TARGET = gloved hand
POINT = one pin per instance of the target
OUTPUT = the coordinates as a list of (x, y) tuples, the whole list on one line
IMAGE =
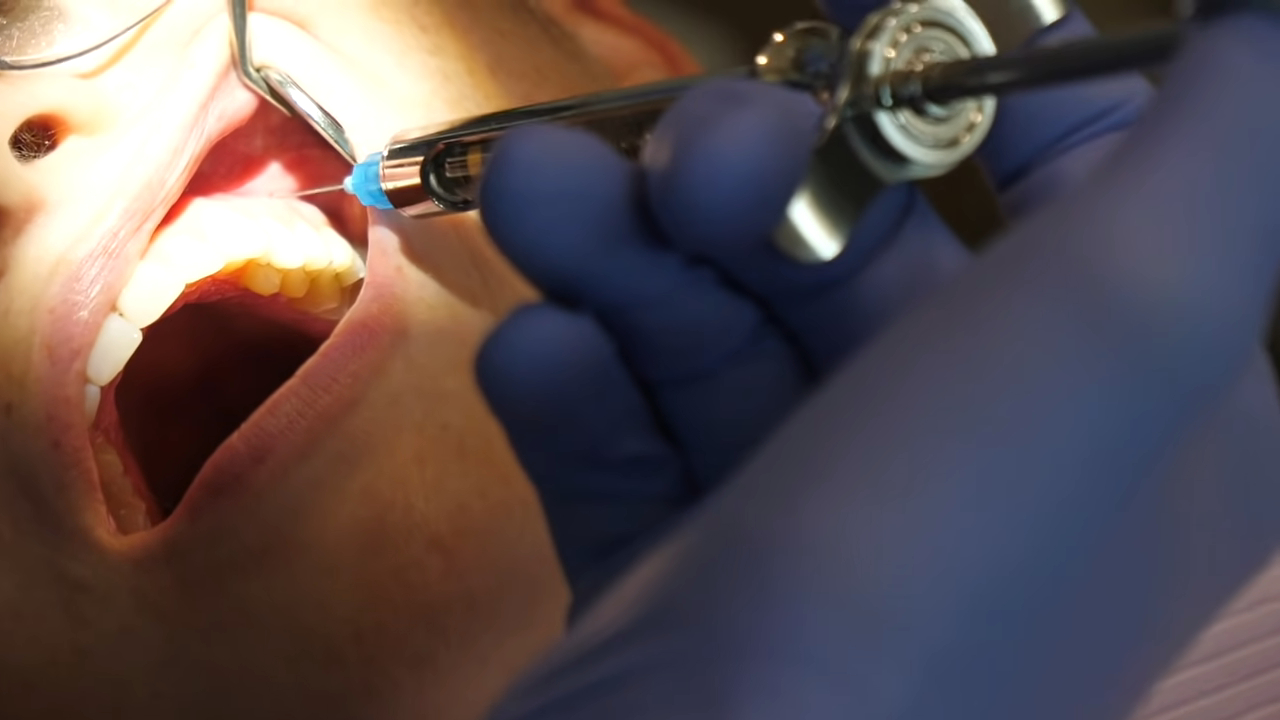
[(1016, 501), (676, 336)]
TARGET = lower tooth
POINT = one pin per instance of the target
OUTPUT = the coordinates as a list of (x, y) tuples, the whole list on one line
[(92, 398), (123, 504)]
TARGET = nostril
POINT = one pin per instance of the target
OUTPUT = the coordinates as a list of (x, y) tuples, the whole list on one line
[(35, 138)]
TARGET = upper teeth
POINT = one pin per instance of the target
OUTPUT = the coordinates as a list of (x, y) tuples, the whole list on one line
[(269, 246)]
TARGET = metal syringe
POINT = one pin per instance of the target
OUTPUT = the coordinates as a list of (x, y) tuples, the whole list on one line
[(909, 96)]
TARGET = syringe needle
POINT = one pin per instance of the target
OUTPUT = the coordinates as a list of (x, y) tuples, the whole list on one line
[(316, 191)]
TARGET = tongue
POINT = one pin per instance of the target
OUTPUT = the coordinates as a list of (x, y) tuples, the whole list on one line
[(198, 375)]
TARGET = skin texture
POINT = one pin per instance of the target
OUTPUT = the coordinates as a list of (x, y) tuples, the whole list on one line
[(395, 564)]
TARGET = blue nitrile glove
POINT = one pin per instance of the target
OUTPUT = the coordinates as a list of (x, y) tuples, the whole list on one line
[(1017, 501), (677, 337)]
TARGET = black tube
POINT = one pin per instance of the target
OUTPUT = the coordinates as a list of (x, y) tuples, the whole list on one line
[(947, 82)]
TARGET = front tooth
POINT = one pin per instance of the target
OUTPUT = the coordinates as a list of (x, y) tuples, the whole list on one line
[(92, 399), (315, 230), (116, 343), (187, 253), (286, 248), (319, 258), (262, 279), (152, 289), (340, 252), (241, 239)]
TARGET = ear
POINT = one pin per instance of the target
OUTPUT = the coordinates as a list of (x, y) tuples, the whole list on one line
[(633, 49)]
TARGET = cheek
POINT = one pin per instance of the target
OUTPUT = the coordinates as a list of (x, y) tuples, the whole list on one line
[(458, 254)]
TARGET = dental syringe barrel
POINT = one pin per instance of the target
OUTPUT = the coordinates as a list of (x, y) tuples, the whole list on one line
[(437, 170), (864, 149)]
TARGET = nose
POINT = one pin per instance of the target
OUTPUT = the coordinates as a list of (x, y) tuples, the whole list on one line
[(40, 115)]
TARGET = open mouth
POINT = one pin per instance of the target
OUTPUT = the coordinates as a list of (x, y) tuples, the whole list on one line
[(235, 292)]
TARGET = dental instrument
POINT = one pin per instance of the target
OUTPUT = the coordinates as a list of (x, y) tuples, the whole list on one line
[(909, 95), (437, 171), (320, 191), (279, 89)]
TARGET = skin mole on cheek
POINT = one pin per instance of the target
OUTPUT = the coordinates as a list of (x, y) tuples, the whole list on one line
[(37, 137)]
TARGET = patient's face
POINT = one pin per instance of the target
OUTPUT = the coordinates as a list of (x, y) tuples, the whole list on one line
[(365, 545)]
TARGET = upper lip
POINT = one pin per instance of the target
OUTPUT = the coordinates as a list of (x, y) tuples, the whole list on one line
[(173, 153)]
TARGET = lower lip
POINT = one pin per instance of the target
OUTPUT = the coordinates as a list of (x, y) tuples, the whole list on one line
[(81, 301)]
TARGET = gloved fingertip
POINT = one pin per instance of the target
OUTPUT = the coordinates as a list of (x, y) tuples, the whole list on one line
[(700, 113), (536, 167), (558, 203), (539, 359), (725, 160), (583, 432)]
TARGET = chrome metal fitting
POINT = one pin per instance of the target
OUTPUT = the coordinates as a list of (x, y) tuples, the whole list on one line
[(914, 143), (864, 152)]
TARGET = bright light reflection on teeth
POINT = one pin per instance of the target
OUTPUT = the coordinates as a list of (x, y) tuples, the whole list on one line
[(152, 289), (353, 273), (319, 256), (241, 238), (267, 247), (186, 251), (116, 343), (339, 251), (286, 249)]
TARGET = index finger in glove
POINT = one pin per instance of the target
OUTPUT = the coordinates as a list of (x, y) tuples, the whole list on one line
[(722, 166), (568, 211)]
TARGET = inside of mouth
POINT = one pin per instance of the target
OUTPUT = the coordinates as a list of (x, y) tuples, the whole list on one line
[(206, 366), (197, 377)]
